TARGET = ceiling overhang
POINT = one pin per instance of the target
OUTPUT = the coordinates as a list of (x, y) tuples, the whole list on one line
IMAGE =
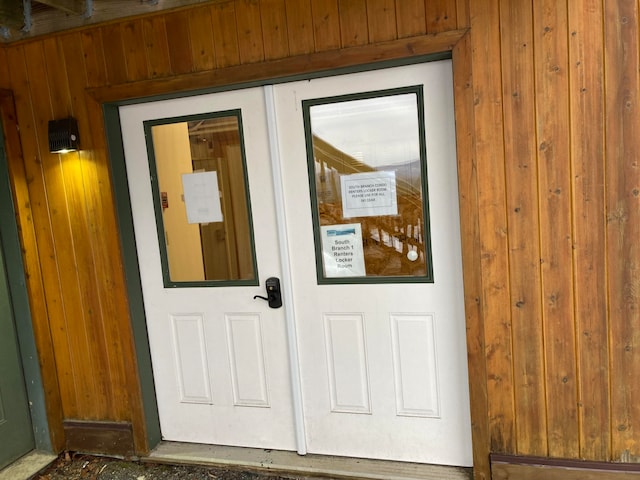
[(22, 19)]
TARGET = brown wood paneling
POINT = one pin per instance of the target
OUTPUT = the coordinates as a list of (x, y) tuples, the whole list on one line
[(74, 59), (134, 49), (424, 45), (521, 172), (107, 258), (249, 31), (110, 438), (84, 195), (5, 82), (94, 61), (299, 27), (441, 15), (274, 29), (68, 190), (225, 37), (86, 382), (88, 323), (110, 319), (154, 32), (71, 209), (108, 315), (353, 22), (552, 130), (381, 16), (489, 152), (113, 53), (326, 24), (179, 41), (33, 275), (204, 57), (623, 221), (462, 13), (471, 253), (55, 323), (411, 18), (587, 161), (55, 68)]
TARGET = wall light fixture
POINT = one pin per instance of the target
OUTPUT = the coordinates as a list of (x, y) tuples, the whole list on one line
[(63, 135)]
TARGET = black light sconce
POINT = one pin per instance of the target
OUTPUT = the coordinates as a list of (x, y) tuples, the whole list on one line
[(63, 135)]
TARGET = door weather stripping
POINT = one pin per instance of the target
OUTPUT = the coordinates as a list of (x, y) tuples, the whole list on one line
[(287, 287)]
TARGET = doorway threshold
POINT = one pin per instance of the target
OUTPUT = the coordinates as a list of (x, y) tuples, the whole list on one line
[(26, 467), (283, 462)]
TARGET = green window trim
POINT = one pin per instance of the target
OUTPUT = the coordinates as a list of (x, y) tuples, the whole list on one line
[(424, 276), (158, 201)]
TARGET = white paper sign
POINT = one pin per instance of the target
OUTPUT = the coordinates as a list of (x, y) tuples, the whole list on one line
[(201, 197), (342, 253), (369, 194)]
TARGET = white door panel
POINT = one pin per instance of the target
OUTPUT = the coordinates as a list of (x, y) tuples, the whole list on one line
[(396, 353), (219, 356)]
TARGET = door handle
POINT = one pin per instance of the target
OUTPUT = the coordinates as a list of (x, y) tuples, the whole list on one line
[(274, 296)]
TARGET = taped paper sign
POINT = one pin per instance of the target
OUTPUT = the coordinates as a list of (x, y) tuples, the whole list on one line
[(201, 197), (342, 252), (369, 194)]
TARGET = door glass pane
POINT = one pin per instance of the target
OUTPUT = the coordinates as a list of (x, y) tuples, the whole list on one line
[(202, 200), (367, 168)]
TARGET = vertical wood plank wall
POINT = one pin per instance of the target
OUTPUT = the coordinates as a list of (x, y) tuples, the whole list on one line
[(548, 118)]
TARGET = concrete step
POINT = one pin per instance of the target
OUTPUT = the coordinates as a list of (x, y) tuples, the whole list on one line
[(291, 463)]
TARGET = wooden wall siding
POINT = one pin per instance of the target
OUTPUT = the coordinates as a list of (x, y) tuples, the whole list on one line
[(38, 302), (622, 171), (547, 115), (554, 177), (71, 207), (494, 254), (521, 176), (586, 103), (471, 253), (544, 194), (557, 171)]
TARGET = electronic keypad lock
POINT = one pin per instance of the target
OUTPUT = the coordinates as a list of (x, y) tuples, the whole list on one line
[(274, 296)]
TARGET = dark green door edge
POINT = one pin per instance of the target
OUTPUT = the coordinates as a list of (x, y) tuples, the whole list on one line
[(115, 151), (10, 245), (132, 272)]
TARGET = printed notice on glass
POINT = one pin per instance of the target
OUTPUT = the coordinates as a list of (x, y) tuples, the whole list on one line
[(369, 194), (201, 197), (342, 252)]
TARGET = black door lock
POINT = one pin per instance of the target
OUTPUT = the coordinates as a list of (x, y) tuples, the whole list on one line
[(274, 297)]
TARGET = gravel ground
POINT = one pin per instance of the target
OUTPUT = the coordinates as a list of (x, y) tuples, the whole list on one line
[(87, 467)]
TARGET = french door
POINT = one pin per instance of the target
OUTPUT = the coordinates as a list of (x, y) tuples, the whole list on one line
[(334, 201)]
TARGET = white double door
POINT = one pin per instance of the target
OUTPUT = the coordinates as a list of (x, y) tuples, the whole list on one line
[(362, 370)]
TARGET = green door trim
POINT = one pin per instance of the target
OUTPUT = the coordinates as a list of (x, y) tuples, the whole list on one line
[(132, 273), (10, 244)]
